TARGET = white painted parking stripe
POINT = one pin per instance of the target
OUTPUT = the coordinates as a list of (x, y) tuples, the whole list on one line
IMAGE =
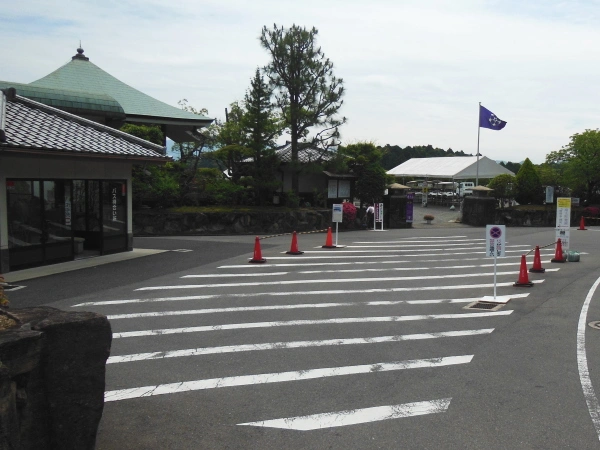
[(294, 344), (297, 306), (410, 241), (383, 269), (320, 292), (235, 275), (584, 374), (437, 244), (339, 254), (399, 250), (348, 263), (412, 238), (287, 323), (355, 416), (329, 280), (299, 375)]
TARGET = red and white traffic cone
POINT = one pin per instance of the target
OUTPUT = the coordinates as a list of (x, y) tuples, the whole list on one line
[(558, 254), (582, 225), (294, 248), (523, 280), (537, 262), (257, 253), (329, 240)]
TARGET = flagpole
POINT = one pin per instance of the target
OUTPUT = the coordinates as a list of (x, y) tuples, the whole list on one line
[(478, 131)]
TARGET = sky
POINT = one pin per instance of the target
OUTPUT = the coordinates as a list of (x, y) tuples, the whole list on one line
[(414, 71)]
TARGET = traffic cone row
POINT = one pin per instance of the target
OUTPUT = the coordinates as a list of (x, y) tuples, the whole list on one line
[(558, 254), (294, 247), (523, 280), (329, 240), (537, 262), (257, 253)]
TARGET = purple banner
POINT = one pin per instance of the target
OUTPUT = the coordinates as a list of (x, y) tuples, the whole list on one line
[(409, 207)]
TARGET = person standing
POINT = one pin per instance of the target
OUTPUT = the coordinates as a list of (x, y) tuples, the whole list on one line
[(370, 216)]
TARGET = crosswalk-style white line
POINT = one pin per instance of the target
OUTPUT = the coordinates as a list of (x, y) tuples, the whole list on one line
[(293, 344), (382, 269), (425, 240), (505, 299), (437, 244), (355, 416), (331, 280), (287, 323), (305, 263), (339, 254), (297, 293), (400, 250), (299, 375)]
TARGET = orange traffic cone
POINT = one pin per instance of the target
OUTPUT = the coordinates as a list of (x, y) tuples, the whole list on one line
[(257, 253), (582, 224), (329, 240), (537, 262), (558, 255), (294, 248), (523, 280)]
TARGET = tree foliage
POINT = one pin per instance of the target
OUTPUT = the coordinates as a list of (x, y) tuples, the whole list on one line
[(150, 133), (504, 187), (305, 89), (363, 159), (528, 187), (580, 163)]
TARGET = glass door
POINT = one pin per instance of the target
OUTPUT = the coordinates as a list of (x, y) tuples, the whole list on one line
[(114, 216), (57, 236)]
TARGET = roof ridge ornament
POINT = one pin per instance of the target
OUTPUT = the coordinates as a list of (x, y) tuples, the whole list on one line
[(80, 54)]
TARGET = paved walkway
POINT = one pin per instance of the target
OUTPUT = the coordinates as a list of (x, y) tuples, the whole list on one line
[(444, 217)]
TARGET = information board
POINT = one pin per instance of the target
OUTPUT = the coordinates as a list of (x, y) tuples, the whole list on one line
[(563, 212), (495, 237), (337, 213)]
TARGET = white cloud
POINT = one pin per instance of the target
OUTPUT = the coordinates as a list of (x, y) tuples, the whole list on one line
[(414, 71)]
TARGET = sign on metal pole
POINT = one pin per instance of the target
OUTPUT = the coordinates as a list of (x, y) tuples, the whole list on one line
[(378, 216), (336, 216), (495, 245), (563, 212), (549, 195)]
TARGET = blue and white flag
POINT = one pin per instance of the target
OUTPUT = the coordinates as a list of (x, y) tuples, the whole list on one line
[(488, 119)]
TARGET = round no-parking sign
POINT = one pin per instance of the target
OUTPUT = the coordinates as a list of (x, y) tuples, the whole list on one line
[(495, 236)]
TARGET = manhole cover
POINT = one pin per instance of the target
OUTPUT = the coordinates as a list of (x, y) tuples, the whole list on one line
[(484, 305), (595, 324)]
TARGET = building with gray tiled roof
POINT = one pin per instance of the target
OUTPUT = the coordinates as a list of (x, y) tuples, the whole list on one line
[(83, 88), (65, 184)]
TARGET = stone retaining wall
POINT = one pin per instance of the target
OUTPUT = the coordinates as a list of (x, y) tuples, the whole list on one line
[(165, 223), (52, 379)]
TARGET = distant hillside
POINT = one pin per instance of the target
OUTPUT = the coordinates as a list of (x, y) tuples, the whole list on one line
[(394, 155)]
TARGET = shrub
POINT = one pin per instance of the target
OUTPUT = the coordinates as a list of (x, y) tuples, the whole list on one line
[(592, 211), (348, 213), (428, 217)]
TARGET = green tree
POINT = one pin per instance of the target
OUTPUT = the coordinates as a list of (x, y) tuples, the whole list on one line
[(528, 187), (306, 90), (580, 160), (150, 133), (504, 187), (364, 160)]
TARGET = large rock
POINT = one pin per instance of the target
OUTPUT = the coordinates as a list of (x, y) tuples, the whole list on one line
[(54, 379)]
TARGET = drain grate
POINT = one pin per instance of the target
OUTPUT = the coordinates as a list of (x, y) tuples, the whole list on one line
[(484, 305)]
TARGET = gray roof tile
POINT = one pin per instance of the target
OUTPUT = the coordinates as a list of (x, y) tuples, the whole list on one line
[(33, 125)]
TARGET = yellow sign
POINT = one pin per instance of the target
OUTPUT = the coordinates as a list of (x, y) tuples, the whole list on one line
[(425, 190), (563, 202)]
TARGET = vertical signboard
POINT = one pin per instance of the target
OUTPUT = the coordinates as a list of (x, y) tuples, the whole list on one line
[(563, 212), (378, 212), (549, 195), (495, 236), (563, 235), (495, 244), (409, 207), (337, 213)]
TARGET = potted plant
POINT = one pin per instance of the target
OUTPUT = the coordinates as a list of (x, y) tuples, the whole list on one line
[(428, 218)]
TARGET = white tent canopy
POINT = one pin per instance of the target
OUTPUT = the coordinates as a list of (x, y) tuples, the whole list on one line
[(454, 167)]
